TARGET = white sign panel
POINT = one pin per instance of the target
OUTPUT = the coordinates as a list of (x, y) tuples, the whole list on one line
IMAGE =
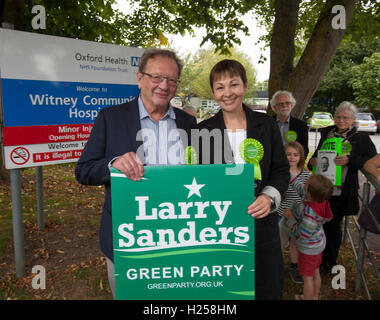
[(326, 165)]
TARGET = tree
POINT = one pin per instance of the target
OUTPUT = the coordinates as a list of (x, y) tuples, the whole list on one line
[(366, 82), (94, 20), (303, 79), (289, 22), (12, 12), (336, 85), (195, 76), (309, 31), (263, 85)]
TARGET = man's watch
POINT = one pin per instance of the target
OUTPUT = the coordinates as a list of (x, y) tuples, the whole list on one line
[(272, 203)]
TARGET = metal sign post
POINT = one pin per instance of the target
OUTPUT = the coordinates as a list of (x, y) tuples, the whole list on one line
[(18, 228), (40, 198)]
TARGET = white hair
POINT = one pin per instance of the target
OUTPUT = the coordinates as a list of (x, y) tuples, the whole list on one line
[(273, 101), (347, 106)]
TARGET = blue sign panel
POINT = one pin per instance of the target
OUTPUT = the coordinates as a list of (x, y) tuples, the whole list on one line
[(53, 102)]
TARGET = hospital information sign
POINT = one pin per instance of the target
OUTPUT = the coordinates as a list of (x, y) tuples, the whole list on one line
[(52, 89)]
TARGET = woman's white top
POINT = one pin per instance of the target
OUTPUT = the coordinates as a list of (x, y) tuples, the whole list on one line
[(236, 138)]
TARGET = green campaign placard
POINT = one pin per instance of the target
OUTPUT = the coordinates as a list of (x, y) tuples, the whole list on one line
[(329, 150), (183, 233)]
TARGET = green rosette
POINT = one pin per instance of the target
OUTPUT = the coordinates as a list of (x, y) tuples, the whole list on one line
[(191, 155), (346, 148), (252, 151), (291, 135)]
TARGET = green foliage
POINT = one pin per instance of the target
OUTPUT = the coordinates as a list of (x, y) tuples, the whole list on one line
[(195, 75), (222, 20), (365, 24), (336, 85), (150, 20), (263, 85), (94, 20), (366, 82)]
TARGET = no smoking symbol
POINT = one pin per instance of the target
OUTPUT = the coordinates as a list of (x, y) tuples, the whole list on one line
[(20, 156)]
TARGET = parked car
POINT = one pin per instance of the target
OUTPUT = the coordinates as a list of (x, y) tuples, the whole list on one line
[(378, 125), (320, 120), (366, 122)]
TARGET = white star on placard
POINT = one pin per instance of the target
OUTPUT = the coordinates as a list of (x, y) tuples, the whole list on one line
[(194, 188)]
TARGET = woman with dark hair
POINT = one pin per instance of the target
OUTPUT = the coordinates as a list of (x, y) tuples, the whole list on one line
[(345, 198), (237, 124)]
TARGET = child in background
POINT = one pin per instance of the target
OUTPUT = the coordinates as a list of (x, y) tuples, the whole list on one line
[(306, 221), (296, 157)]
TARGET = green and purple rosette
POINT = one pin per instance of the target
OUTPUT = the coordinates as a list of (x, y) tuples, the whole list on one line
[(252, 151)]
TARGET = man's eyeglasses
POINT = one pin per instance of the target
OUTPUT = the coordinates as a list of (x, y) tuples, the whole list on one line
[(157, 78), (284, 104)]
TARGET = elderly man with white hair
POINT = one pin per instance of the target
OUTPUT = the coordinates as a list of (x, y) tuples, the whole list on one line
[(292, 129)]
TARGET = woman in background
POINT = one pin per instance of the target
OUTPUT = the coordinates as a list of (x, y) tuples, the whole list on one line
[(345, 198)]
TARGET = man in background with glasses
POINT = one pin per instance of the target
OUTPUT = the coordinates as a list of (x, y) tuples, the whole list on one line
[(282, 103), (292, 129), (147, 130)]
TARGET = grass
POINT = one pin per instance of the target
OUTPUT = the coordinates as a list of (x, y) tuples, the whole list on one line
[(329, 281), (69, 250), (5, 217)]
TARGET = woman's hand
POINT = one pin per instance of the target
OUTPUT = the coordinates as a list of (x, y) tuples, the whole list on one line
[(341, 160), (313, 162), (260, 208)]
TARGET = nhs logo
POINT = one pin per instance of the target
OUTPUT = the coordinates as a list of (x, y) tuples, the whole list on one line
[(135, 61)]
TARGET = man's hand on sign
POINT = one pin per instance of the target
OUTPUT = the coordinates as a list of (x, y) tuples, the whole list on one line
[(130, 165), (341, 160), (260, 208)]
